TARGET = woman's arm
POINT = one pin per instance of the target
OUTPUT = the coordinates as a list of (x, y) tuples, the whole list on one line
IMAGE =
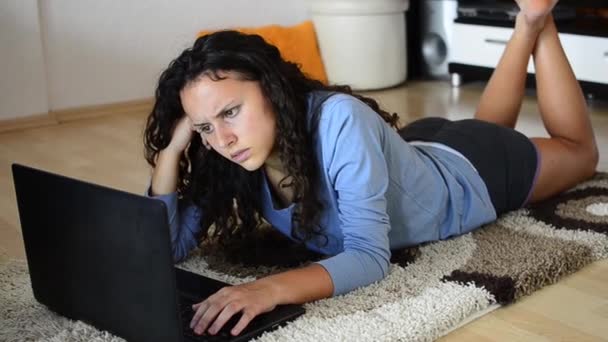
[(291, 287), (184, 225), (184, 219), (165, 174), (352, 138), (300, 285)]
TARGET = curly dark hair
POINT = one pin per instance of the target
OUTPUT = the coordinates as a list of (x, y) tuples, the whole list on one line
[(228, 194)]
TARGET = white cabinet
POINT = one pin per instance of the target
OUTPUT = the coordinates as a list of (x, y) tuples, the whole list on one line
[(477, 48), (588, 56), (479, 45)]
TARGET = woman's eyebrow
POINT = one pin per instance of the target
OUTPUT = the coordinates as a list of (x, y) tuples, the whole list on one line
[(216, 115)]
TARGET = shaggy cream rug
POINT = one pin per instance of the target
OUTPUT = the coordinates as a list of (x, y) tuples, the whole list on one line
[(431, 289)]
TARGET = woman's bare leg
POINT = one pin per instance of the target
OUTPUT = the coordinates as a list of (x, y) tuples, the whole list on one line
[(570, 155), (501, 99)]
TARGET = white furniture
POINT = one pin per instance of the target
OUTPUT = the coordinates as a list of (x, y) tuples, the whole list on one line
[(477, 50), (362, 42)]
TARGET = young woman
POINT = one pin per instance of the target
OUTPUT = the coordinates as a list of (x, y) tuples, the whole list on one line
[(237, 134)]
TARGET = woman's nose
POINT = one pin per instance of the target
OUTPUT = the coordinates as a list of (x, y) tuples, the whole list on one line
[(225, 137)]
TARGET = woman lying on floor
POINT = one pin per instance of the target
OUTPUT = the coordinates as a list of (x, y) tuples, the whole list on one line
[(235, 123)]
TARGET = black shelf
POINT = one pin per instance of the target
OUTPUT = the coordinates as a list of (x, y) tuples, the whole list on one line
[(597, 27), (471, 73)]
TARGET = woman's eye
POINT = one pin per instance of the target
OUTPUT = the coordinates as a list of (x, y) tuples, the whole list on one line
[(203, 130), (231, 112)]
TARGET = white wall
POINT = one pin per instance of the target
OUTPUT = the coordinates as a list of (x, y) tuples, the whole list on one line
[(23, 78), (99, 52)]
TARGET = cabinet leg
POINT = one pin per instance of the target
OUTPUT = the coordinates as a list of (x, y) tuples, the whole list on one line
[(455, 79)]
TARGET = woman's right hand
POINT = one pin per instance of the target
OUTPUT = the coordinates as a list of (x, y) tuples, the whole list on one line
[(182, 135), (165, 174)]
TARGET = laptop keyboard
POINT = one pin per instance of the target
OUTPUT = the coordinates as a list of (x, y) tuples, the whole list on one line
[(186, 312)]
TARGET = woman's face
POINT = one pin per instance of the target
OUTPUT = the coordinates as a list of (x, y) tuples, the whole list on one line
[(233, 117)]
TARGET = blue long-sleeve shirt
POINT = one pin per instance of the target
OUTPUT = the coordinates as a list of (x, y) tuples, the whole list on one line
[(379, 193)]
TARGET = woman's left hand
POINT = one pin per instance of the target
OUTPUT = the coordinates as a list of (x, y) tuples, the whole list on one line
[(251, 299)]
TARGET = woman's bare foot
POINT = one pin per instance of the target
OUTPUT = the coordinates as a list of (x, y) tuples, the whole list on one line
[(534, 12)]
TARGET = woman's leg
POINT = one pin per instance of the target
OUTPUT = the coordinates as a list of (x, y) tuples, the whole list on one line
[(570, 155), (502, 97)]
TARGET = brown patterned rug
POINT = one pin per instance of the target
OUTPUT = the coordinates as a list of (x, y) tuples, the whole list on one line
[(430, 290)]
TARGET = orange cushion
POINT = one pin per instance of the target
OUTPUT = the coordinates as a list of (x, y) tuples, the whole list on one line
[(298, 44)]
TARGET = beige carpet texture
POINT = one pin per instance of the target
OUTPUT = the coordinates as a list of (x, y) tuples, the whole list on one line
[(430, 290)]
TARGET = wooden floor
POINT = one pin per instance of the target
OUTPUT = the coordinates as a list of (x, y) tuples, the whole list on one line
[(108, 150)]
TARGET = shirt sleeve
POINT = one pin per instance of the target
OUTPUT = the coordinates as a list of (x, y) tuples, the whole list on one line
[(184, 224), (352, 139)]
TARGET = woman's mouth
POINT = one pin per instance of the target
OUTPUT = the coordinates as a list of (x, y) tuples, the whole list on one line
[(241, 156)]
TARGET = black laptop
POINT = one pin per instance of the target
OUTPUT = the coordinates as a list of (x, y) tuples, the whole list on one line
[(103, 256)]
